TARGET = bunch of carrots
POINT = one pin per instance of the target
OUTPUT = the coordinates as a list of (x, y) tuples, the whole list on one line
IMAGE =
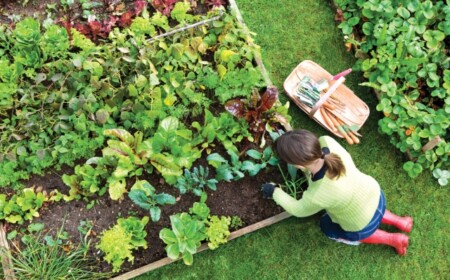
[(337, 125), (308, 92)]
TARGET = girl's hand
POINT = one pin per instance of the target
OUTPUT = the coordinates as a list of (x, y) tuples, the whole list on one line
[(267, 189)]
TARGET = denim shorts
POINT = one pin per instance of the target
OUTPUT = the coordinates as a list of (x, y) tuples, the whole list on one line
[(334, 231)]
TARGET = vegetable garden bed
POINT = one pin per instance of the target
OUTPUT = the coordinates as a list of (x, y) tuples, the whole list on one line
[(98, 136)]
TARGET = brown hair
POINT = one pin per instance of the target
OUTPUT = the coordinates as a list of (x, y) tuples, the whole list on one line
[(302, 147)]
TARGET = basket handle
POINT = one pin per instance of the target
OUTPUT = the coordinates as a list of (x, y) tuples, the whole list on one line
[(324, 98)]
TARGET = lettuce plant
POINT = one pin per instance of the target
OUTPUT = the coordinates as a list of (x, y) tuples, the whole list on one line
[(217, 230), (21, 207), (184, 238), (118, 242), (87, 181)]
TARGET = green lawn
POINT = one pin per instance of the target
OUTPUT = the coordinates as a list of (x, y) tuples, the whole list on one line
[(288, 32)]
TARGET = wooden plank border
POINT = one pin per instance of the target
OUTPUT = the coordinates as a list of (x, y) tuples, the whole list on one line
[(203, 247), (258, 59)]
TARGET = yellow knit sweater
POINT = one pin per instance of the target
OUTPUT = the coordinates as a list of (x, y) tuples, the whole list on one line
[(350, 200)]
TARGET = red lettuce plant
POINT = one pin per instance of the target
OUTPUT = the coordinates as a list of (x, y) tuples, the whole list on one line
[(256, 110), (164, 6)]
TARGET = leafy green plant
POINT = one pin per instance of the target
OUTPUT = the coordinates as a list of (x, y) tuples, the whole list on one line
[(86, 182), (21, 207), (403, 57), (292, 183), (171, 149), (266, 157), (442, 175), (129, 154), (184, 238), (118, 242), (257, 110), (196, 181), (190, 229), (217, 231), (224, 128), (227, 170), (236, 222), (144, 195)]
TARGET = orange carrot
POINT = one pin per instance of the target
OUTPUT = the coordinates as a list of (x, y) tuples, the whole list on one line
[(327, 119), (349, 132), (329, 106), (340, 128)]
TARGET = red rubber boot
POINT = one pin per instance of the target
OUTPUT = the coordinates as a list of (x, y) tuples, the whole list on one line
[(397, 240), (403, 223)]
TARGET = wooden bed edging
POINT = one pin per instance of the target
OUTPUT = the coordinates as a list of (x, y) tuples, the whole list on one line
[(203, 247)]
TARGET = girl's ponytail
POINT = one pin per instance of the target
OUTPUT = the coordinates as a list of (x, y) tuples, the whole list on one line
[(335, 166)]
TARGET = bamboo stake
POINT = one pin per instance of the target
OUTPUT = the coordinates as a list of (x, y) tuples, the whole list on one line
[(186, 27)]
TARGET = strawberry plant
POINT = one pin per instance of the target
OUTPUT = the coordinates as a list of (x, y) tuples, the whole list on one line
[(403, 56)]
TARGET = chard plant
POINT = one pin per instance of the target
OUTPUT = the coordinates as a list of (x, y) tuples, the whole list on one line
[(144, 195), (258, 110)]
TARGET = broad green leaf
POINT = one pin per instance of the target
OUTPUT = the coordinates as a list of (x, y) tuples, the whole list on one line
[(116, 189), (122, 134), (254, 154), (167, 236), (173, 251), (140, 198), (188, 258), (155, 213), (163, 199), (227, 55)]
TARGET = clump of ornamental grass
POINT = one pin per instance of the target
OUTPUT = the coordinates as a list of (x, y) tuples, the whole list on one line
[(41, 260)]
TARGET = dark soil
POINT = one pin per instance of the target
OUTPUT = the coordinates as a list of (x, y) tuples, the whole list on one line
[(242, 198)]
